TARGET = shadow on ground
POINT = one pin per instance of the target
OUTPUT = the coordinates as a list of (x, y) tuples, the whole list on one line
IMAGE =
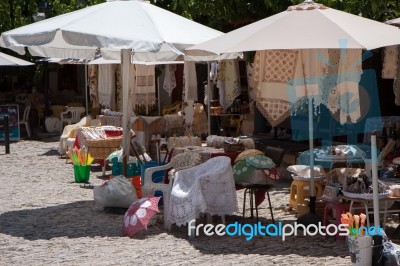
[(51, 152), (73, 220), (83, 219)]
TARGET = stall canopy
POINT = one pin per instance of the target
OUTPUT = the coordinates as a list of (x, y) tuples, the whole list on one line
[(129, 30)]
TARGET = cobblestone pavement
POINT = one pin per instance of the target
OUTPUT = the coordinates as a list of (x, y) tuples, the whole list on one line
[(46, 218)]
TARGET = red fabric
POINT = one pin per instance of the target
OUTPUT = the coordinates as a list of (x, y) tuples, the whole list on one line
[(272, 173), (113, 133)]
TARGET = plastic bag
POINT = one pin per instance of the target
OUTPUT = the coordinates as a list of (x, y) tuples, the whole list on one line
[(116, 192)]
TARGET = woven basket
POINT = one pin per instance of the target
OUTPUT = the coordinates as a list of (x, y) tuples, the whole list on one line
[(233, 147), (101, 148)]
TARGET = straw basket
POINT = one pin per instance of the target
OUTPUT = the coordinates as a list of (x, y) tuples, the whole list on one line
[(101, 148)]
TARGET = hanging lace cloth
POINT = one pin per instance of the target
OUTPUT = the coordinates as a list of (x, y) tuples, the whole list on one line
[(345, 97), (273, 72), (396, 83), (190, 80), (118, 88), (92, 81), (145, 88), (106, 86), (390, 62), (213, 72), (169, 78), (228, 82), (284, 78)]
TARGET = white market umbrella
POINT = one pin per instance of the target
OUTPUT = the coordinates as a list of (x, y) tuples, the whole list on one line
[(135, 29), (317, 28), (8, 60), (395, 22), (306, 27)]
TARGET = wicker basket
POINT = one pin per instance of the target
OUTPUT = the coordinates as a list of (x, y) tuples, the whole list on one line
[(101, 148), (233, 147)]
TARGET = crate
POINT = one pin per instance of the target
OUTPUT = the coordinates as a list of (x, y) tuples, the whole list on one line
[(133, 169)]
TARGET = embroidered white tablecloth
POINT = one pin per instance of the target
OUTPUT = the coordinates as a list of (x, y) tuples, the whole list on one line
[(205, 188)]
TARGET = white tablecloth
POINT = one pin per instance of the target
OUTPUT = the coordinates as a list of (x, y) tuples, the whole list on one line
[(205, 188), (205, 152)]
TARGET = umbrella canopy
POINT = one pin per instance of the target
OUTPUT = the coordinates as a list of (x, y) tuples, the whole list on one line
[(260, 161), (8, 60), (246, 153), (111, 26), (305, 26), (241, 170), (139, 214), (131, 30), (395, 22)]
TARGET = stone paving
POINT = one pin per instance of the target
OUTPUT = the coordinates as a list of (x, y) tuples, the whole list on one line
[(47, 219)]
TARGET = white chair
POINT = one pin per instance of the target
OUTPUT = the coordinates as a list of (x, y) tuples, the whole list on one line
[(25, 120), (72, 115), (180, 161)]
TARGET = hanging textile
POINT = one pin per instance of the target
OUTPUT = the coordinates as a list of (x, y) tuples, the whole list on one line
[(169, 79), (118, 88), (190, 80), (213, 72), (106, 86), (145, 94), (284, 78), (92, 81), (278, 78), (273, 71), (390, 62), (345, 97), (228, 82), (396, 83)]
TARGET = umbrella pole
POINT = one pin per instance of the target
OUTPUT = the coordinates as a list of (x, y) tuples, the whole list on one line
[(311, 143), (125, 63), (208, 99), (86, 92), (375, 188), (311, 217)]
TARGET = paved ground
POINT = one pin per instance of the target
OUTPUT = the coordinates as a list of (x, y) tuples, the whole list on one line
[(46, 218)]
